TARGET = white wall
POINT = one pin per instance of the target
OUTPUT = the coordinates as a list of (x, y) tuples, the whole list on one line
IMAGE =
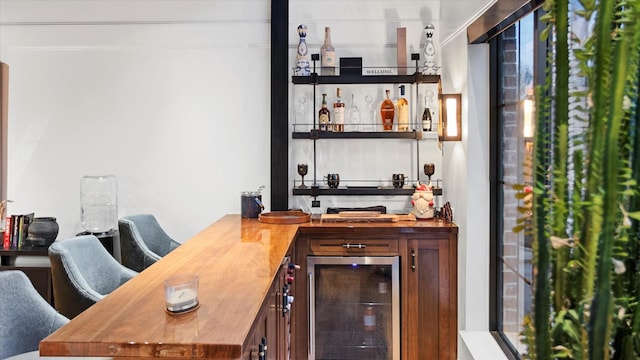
[(170, 97), (467, 176), (467, 173)]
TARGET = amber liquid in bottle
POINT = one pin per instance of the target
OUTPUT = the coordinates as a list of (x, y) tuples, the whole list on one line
[(403, 111), (338, 113), (324, 118), (387, 112)]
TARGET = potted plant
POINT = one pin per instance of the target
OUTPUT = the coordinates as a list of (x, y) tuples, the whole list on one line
[(584, 200)]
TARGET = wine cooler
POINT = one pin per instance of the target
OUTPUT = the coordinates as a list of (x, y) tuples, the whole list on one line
[(354, 308)]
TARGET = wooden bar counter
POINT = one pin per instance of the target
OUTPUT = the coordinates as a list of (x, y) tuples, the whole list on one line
[(237, 261)]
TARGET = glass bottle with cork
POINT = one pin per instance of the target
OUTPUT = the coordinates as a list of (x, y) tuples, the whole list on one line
[(387, 112), (338, 112), (427, 117), (327, 55)]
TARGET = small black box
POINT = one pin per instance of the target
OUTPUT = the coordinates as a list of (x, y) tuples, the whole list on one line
[(350, 66)]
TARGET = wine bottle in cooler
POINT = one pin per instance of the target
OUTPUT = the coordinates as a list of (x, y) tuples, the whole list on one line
[(369, 319)]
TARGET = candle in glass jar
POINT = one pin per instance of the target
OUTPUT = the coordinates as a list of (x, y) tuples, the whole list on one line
[(181, 292), (182, 299)]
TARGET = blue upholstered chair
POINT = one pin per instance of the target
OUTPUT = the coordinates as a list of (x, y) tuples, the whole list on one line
[(25, 317), (83, 273), (143, 241)]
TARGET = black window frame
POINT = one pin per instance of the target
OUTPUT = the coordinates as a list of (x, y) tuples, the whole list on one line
[(495, 171)]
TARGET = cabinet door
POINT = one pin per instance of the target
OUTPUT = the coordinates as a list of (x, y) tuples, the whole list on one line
[(263, 333), (267, 339), (431, 299)]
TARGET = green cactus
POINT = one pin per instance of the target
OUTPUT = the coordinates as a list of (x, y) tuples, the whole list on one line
[(598, 318)]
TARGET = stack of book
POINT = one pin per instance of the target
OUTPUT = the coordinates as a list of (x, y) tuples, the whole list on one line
[(15, 231)]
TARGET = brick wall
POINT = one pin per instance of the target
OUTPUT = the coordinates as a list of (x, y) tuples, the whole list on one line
[(512, 174)]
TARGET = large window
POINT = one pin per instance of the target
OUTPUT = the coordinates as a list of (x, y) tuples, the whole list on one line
[(514, 78)]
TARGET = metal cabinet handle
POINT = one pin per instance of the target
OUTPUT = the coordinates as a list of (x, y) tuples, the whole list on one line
[(349, 246), (310, 301)]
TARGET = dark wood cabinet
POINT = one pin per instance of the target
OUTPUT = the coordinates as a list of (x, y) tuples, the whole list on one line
[(428, 282), (40, 276)]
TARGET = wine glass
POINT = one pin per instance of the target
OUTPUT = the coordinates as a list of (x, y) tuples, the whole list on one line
[(429, 169), (302, 171)]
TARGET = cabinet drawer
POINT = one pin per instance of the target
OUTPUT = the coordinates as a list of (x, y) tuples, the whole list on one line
[(353, 246)]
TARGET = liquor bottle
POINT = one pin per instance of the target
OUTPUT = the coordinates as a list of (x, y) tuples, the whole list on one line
[(369, 319), (327, 55), (387, 112), (430, 63), (354, 114), (427, 120), (302, 58), (338, 113), (403, 111), (324, 118)]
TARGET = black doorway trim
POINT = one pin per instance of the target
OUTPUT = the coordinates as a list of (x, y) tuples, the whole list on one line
[(279, 105)]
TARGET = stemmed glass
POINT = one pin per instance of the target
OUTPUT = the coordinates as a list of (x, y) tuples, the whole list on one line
[(429, 169), (302, 171)]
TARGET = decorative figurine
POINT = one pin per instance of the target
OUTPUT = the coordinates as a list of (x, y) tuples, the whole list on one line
[(422, 201), (302, 58), (447, 212), (430, 62)]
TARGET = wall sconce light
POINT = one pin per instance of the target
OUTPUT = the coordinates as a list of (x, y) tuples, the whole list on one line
[(450, 128), (528, 111)]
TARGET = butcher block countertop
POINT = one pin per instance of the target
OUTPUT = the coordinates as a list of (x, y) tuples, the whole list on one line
[(236, 259)]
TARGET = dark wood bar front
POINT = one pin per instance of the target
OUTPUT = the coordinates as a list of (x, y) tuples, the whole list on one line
[(240, 263)]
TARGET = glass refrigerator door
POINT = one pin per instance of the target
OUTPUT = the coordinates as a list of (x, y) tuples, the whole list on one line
[(354, 307)]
